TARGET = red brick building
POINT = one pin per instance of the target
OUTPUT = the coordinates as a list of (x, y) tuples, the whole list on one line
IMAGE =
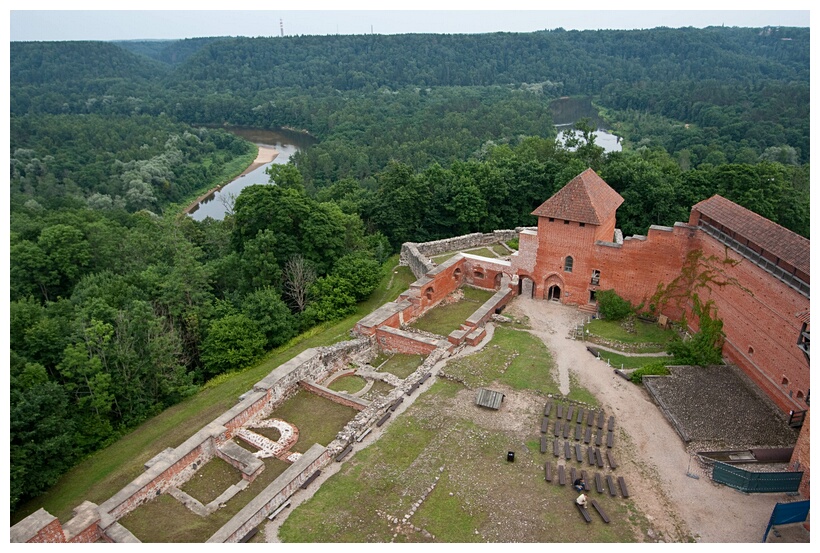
[(757, 275)]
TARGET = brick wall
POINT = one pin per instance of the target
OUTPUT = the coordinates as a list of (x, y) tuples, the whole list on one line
[(801, 457)]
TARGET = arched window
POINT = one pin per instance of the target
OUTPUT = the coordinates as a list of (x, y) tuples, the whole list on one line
[(785, 381), (568, 264), (478, 274), (799, 394), (429, 292)]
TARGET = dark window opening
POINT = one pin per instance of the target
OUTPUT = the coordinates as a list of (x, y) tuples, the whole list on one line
[(568, 264), (596, 277), (429, 293), (582, 224)]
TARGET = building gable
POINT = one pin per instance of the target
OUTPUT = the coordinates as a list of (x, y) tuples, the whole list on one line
[(584, 199)]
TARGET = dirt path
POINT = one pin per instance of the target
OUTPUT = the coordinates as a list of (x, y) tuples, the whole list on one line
[(681, 507)]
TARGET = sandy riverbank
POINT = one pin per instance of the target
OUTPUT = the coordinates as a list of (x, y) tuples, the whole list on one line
[(266, 154)]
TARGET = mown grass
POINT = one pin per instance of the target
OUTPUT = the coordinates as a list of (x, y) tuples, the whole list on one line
[(483, 252), (211, 480), (512, 357), (166, 520), (349, 384), (500, 250), (443, 319), (107, 471), (618, 361), (402, 365), (318, 419), (645, 333)]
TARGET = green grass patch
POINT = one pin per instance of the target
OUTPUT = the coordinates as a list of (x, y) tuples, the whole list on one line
[(650, 334), (272, 434), (513, 244), (378, 390), (318, 419), (483, 252), (616, 360), (211, 480), (106, 472), (512, 357), (441, 258), (402, 365), (500, 250), (443, 319), (349, 384)]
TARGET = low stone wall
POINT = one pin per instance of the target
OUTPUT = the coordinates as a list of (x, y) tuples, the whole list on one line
[(336, 397), (417, 255)]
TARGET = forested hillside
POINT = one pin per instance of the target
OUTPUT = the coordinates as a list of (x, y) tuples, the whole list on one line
[(121, 306)]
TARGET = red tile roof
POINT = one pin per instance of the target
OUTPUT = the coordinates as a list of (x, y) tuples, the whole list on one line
[(584, 199), (779, 241)]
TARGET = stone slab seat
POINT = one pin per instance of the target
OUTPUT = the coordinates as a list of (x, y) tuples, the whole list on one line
[(599, 483), (584, 512), (344, 453), (310, 479), (622, 483), (600, 511), (611, 458), (611, 485)]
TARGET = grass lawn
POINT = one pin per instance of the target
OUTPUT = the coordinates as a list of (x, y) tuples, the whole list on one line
[(500, 250), (106, 472), (616, 360), (318, 419), (402, 365), (165, 519), (378, 390), (443, 319), (349, 384), (211, 480), (445, 441), (645, 333), (483, 252)]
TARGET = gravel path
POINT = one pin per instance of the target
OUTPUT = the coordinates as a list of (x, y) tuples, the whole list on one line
[(682, 507)]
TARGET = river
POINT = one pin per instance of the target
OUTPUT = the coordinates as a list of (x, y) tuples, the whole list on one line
[(282, 143), (568, 111)]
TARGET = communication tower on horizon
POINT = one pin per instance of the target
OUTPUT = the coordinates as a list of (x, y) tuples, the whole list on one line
[(281, 28)]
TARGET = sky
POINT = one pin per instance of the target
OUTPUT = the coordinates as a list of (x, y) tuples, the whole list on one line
[(174, 19)]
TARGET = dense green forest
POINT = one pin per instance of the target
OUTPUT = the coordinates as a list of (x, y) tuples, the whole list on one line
[(121, 306)]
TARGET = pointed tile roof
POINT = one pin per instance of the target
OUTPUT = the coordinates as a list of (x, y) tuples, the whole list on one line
[(584, 199), (780, 241)]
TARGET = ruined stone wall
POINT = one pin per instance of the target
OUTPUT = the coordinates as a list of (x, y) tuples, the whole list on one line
[(394, 340), (335, 397)]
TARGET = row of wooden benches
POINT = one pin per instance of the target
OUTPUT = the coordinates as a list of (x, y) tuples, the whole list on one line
[(563, 477), (587, 517), (593, 453), (570, 411), (565, 429)]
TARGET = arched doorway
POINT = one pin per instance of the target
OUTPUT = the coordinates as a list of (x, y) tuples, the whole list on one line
[(554, 293)]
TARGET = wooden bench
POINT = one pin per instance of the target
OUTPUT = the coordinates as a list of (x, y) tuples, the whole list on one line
[(413, 388), (567, 451), (584, 513), (557, 430), (566, 430), (547, 409), (383, 419), (611, 424), (560, 412), (548, 471), (599, 459), (588, 435), (591, 455), (569, 412), (572, 475), (556, 448), (247, 537), (578, 456), (598, 439), (610, 437), (544, 422), (599, 483), (344, 453), (577, 433), (543, 444), (590, 418), (580, 418), (600, 419), (622, 483), (562, 477), (396, 404), (310, 479), (611, 485), (600, 511), (425, 377), (586, 482), (611, 458)]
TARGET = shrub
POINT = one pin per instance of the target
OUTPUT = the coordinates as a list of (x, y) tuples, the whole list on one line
[(612, 306), (656, 368)]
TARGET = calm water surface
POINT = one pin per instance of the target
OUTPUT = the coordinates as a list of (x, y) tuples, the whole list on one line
[(568, 111), (285, 142)]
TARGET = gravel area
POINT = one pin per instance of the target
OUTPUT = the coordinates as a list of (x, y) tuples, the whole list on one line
[(719, 408)]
